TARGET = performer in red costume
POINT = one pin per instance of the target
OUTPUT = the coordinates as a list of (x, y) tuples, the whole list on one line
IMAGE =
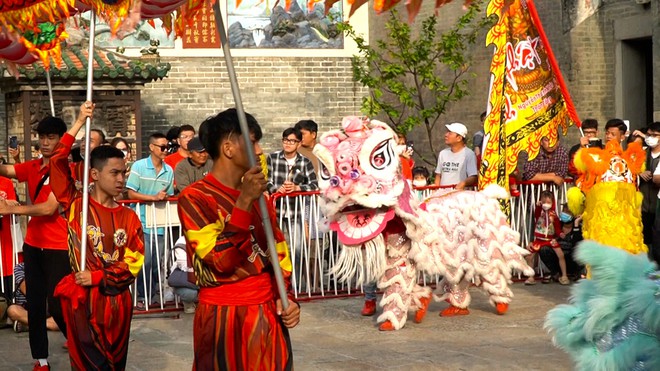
[(96, 302), (239, 322)]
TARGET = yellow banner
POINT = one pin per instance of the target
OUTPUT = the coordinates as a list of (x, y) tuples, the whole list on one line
[(528, 98)]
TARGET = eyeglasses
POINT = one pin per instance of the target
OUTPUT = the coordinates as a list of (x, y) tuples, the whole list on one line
[(162, 148), (290, 141), (590, 132)]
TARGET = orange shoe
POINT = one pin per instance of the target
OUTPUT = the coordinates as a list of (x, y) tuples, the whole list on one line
[(501, 308), (451, 311), (369, 308), (386, 326), (421, 312)]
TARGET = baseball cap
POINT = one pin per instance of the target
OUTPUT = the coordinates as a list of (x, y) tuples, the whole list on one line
[(196, 145), (457, 128)]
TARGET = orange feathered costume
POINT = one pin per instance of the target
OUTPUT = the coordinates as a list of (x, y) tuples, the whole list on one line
[(606, 195)]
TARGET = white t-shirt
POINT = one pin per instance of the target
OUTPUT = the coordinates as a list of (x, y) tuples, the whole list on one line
[(455, 167)]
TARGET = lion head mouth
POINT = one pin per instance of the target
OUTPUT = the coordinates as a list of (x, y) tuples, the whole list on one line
[(357, 224)]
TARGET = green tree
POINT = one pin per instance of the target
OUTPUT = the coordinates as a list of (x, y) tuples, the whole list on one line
[(413, 76)]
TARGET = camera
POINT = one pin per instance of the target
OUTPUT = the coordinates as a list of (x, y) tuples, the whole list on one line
[(172, 147), (409, 145), (595, 143)]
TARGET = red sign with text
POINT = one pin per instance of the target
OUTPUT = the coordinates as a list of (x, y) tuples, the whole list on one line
[(202, 33)]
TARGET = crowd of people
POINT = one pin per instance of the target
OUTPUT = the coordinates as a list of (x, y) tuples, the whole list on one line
[(216, 206)]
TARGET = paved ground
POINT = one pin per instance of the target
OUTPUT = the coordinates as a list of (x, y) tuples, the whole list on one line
[(333, 336)]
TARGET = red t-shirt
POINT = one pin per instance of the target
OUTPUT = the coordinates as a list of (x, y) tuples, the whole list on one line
[(173, 159), (7, 193), (46, 232)]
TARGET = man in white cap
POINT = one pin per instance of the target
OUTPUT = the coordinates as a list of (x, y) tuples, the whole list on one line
[(457, 165)]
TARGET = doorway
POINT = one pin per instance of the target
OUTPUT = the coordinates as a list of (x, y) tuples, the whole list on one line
[(637, 81)]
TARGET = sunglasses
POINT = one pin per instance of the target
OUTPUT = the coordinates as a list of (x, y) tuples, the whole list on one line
[(162, 148)]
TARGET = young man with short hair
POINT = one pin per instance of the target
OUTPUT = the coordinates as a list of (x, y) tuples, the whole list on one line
[(616, 129), (186, 134), (239, 318), (151, 180), (308, 130), (590, 138), (96, 301), (45, 247), (457, 165)]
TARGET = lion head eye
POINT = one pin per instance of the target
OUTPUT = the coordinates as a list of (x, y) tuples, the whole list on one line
[(382, 155)]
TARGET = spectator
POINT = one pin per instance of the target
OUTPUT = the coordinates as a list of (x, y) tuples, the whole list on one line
[(193, 168), (180, 277), (289, 171), (478, 138), (571, 234), (151, 180), (17, 312), (186, 133), (550, 165), (457, 165), (405, 157), (616, 129), (45, 249), (96, 139), (547, 229), (420, 176), (122, 145), (309, 130), (590, 139)]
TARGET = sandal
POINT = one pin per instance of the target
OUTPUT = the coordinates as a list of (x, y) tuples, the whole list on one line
[(140, 306), (530, 281), (564, 280)]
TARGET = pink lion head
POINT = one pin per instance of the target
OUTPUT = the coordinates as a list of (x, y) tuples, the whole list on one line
[(360, 178)]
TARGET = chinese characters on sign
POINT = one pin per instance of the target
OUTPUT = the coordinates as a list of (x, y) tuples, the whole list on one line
[(202, 33)]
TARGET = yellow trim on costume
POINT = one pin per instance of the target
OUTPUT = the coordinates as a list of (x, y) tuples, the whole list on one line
[(204, 240), (134, 260), (283, 254)]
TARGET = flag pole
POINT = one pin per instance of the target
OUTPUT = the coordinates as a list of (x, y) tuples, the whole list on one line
[(50, 93), (268, 228), (88, 125)]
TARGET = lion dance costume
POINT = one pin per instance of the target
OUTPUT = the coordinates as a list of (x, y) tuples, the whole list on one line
[(388, 236), (613, 319), (606, 195)]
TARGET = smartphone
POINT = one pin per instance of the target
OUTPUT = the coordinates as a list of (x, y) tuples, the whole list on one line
[(409, 145), (13, 142), (595, 143)]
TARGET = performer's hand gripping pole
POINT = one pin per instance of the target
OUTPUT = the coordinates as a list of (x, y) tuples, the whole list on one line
[(268, 228)]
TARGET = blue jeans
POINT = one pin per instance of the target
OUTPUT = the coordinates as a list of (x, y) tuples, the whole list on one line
[(186, 294), (370, 290), (151, 266)]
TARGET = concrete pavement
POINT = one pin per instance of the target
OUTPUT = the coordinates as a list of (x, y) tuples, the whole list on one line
[(333, 336)]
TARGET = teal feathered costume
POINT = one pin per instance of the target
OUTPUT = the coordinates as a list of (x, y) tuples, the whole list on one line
[(613, 319)]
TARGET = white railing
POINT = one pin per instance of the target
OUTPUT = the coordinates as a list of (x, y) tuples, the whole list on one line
[(313, 252), (16, 247)]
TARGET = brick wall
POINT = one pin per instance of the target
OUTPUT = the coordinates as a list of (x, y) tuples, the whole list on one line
[(277, 91), (586, 57)]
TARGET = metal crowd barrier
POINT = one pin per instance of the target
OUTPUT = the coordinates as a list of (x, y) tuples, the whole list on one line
[(313, 251), (16, 248)]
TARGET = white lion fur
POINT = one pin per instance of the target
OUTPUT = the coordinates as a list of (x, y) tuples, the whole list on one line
[(365, 264)]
